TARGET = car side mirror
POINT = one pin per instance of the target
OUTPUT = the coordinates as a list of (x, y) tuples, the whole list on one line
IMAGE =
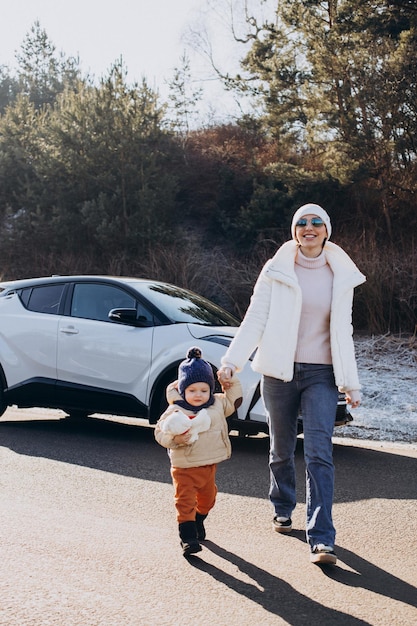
[(128, 316)]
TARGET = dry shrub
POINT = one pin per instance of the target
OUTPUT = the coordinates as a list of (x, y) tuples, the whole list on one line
[(387, 302), (208, 272), (388, 347)]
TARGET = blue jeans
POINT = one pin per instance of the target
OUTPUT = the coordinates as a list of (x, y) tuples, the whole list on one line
[(313, 390)]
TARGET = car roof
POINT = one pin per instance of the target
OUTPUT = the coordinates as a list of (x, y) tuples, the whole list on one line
[(138, 287), (56, 279)]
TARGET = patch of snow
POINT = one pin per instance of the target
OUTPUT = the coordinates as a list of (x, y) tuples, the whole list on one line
[(388, 374)]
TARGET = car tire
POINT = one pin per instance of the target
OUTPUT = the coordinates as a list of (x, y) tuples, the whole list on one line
[(159, 402), (3, 405), (3, 385)]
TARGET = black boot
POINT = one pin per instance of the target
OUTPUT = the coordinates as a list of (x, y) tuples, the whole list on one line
[(199, 522), (189, 540)]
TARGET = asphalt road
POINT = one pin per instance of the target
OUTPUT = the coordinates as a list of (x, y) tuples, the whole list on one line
[(89, 538)]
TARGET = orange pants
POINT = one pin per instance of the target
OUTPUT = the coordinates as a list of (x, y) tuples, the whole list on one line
[(195, 490)]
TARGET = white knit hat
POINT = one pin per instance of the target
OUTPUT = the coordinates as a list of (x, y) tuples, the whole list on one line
[(311, 209)]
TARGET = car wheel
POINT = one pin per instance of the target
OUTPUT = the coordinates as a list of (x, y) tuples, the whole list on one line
[(159, 402), (244, 428), (3, 403)]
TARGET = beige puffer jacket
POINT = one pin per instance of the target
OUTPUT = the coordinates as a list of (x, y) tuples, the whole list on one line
[(213, 445)]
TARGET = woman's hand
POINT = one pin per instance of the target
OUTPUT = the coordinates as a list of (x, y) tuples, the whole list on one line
[(353, 397)]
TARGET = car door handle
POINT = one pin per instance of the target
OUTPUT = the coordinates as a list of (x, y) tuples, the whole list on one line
[(69, 330)]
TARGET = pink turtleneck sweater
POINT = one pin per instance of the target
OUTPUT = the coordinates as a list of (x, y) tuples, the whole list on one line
[(316, 281)]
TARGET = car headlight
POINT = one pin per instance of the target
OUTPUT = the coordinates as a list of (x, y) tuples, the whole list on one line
[(223, 341), (226, 341)]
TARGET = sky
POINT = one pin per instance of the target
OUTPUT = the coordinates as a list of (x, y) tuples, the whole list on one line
[(147, 34)]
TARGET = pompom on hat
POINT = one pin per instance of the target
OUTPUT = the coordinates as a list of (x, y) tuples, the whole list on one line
[(311, 209), (194, 370)]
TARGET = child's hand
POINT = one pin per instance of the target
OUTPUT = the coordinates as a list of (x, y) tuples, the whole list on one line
[(183, 439)]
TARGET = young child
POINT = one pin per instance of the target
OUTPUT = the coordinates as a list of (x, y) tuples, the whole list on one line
[(193, 465)]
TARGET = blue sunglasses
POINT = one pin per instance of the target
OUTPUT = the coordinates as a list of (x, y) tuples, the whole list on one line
[(315, 221)]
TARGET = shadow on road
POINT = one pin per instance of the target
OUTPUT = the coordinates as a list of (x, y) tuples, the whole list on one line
[(131, 450), (373, 578), (272, 593), (366, 575)]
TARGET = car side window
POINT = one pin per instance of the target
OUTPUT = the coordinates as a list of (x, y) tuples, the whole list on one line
[(95, 301), (43, 299)]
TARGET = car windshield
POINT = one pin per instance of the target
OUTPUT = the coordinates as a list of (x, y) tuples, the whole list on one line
[(181, 305)]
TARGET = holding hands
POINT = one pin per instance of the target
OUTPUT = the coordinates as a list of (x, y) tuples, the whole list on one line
[(224, 375)]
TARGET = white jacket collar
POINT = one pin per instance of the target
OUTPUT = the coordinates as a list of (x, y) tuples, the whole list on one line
[(281, 266)]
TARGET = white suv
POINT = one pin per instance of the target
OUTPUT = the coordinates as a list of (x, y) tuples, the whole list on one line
[(98, 344)]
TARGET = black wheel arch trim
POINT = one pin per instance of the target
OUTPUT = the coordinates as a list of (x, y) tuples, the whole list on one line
[(64, 395), (167, 375)]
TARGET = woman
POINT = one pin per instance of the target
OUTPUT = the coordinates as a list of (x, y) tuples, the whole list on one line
[(300, 321)]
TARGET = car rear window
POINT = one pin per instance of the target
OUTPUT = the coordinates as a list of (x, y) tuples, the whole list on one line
[(43, 299)]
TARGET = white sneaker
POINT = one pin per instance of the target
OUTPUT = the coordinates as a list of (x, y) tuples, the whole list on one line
[(321, 553), (282, 524)]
